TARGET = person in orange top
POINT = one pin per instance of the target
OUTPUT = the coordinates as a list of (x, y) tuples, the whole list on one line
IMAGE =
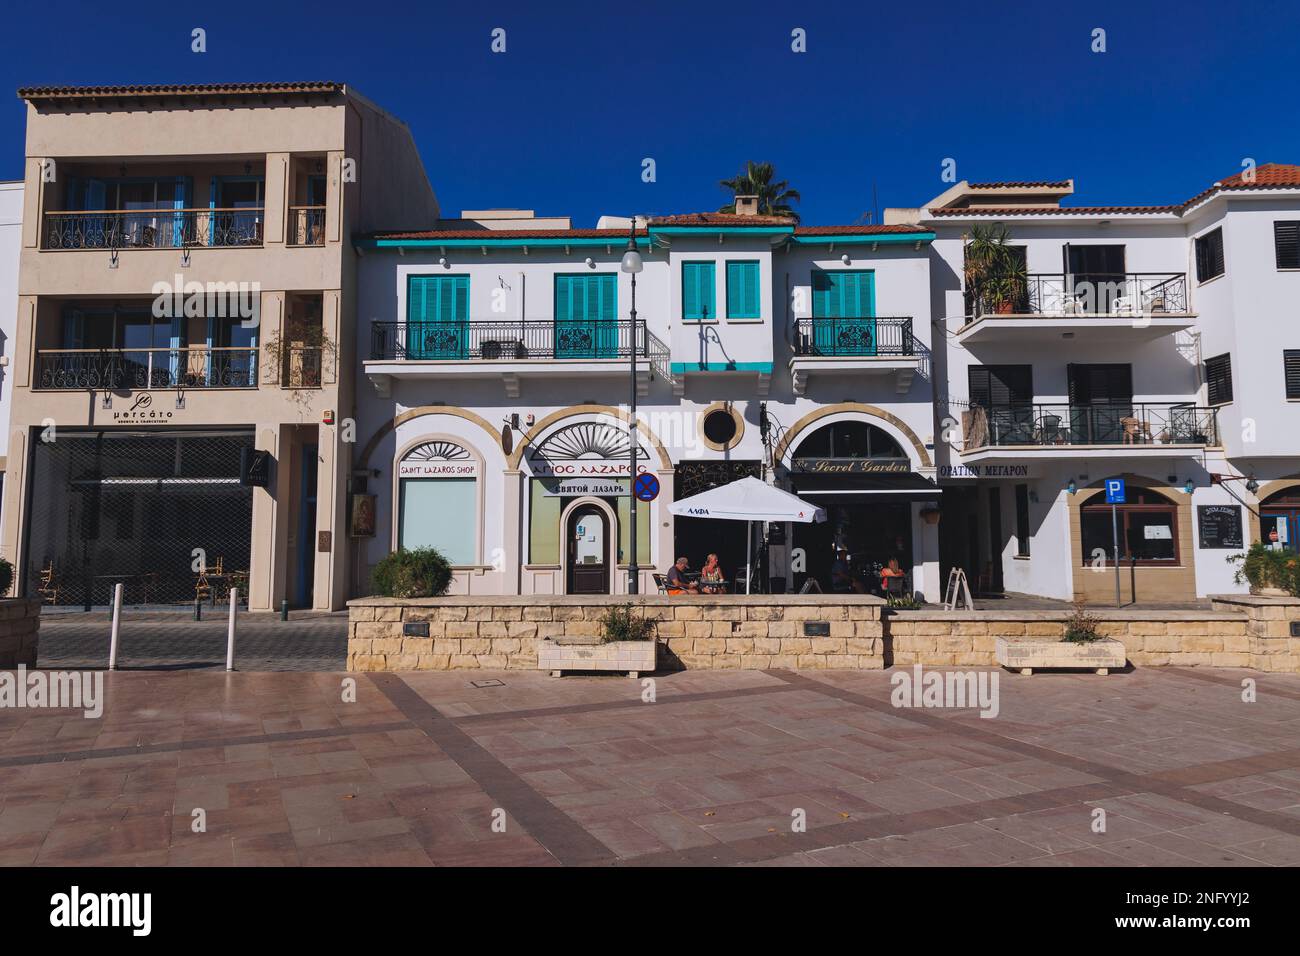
[(891, 570)]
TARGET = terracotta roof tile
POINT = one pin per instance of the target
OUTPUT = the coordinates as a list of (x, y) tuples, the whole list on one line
[(1058, 184), (856, 230), (719, 219), (200, 89), (611, 234)]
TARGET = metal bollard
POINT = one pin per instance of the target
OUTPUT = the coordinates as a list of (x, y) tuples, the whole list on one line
[(284, 610), (117, 626), (198, 610), (230, 630)]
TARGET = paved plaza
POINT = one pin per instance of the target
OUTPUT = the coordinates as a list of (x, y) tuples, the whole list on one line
[(583, 771)]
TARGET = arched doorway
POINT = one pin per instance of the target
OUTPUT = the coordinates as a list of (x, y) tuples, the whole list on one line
[(1279, 518), (862, 476), (587, 551)]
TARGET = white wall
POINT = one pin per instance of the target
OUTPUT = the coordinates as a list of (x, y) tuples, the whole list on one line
[(11, 214)]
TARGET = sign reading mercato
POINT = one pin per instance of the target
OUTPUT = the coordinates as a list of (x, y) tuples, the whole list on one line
[(1220, 526)]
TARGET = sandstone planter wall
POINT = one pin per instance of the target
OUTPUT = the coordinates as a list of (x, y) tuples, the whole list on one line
[(1268, 624), (966, 638), (20, 622), (754, 632)]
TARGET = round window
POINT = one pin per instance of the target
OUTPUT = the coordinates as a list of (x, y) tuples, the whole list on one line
[(719, 427)]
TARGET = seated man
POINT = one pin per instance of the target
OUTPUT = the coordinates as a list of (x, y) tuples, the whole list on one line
[(676, 577)]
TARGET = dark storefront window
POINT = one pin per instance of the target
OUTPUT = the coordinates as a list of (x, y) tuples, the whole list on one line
[(1148, 528), (133, 507)]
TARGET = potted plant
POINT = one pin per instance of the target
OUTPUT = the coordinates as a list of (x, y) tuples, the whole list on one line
[(994, 270), (626, 642), (1270, 572), (1081, 645)]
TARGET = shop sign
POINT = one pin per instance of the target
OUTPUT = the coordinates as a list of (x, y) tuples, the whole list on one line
[(577, 487), (438, 469), (142, 412), (961, 472), (584, 468), (852, 466)]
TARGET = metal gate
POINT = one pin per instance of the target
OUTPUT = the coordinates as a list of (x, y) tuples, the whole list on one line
[(164, 514)]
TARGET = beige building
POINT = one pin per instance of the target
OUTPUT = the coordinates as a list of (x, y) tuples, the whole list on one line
[(180, 404)]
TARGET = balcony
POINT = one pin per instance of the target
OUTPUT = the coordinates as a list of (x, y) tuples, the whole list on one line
[(154, 229), (146, 369), (511, 350), (854, 346), (306, 226), (1087, 431), (1120, 307)]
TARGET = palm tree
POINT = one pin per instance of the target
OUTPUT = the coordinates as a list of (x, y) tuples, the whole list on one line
[(774, 198)]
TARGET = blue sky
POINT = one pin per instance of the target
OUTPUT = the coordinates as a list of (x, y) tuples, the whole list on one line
[(584, 92)]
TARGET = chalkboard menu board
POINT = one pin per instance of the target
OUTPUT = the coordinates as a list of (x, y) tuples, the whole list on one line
[(1220, 526)]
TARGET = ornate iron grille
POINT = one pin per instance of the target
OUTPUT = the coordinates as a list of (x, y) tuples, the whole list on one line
[(693, 477), (131, 507)]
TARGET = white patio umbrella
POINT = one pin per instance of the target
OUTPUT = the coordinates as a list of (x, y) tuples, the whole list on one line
[(748, 500)]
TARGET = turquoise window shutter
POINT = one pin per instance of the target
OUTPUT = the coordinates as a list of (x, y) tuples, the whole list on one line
[(437, 315), (742, 290), (698, 291), (586, 316)]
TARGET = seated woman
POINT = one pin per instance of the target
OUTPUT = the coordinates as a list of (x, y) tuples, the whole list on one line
[(711, 576), (891, 570)]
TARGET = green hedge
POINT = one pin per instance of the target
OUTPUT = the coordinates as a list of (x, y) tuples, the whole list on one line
[(422, 572)]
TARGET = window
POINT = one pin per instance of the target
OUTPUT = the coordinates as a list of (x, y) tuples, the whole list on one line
[(698, 292), (1286, 244), (437, 317), (438, 500), (844, 295), (1022, 521), (997, 386), (586, 316), (1291, 369), (742, 290), (1209, 255), (1148, 528), (720, 427), (1218, 379)]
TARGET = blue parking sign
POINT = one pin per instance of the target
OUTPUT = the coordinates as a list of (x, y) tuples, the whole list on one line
[(1114, 491)]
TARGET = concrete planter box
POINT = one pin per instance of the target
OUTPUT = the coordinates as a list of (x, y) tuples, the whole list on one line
[(1028, 654), (589, 654)]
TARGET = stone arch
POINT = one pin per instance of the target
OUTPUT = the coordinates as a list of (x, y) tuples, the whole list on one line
[(1267, 490), (789, 439), (575, 411), (455, 411), (480, 490)]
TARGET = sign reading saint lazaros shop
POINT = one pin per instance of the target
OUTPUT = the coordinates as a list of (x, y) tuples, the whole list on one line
[(852, 466), (141, 411), (438, 459)]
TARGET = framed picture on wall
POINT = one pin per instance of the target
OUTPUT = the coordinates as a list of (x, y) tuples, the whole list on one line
[(361, 520)]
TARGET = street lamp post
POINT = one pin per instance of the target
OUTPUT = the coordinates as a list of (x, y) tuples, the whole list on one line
[(632, 264)]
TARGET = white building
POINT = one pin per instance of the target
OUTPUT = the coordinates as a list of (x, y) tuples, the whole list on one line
[(1154, 343), (11, 234), (497, 350)]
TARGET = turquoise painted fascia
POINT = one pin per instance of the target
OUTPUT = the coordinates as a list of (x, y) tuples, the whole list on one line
[(721, 230), (496, 243), (681, 368), (887, 239)]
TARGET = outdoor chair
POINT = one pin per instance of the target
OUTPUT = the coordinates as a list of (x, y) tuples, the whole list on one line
[(895, 587), (660, 583), (49, 587)]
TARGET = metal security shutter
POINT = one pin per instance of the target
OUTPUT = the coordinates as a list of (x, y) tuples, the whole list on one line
[(1209, 255), (997, 386), (1286, 243), (1218, 379), (1291, 366)]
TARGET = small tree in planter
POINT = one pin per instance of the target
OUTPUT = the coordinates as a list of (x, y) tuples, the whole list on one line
[(1267, 570), (418, 573), (995, 273), (622, 623), (1080, 626)]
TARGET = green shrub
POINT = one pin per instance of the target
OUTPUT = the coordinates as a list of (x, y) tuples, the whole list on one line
[(418, 573), (1080, 626), (1264, 567), (621, 623), (6, 577)]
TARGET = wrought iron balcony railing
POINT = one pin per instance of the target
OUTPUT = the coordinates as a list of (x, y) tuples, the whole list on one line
[(1076, 294), (302, 367), (502, 339), (154, 229), (854, 337), (194, 367), (1116, 424), (306, 226)]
